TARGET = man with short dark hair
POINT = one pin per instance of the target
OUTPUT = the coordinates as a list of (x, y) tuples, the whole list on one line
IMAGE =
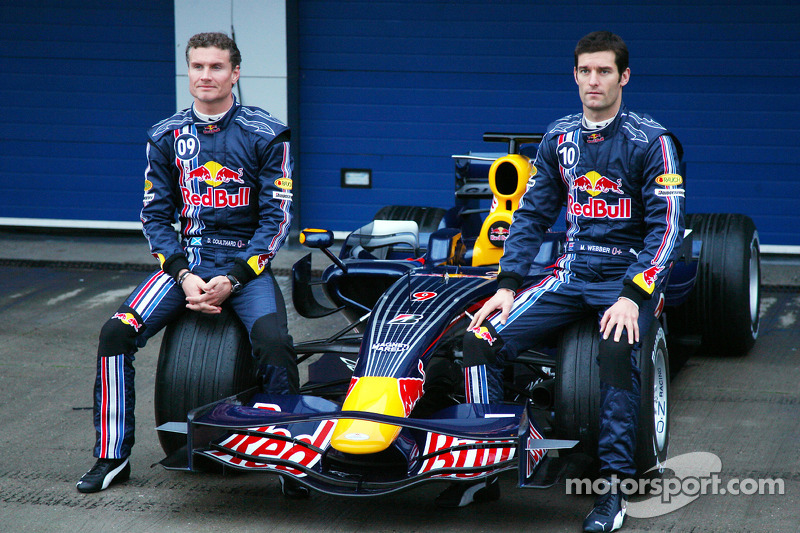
[(225, 171), (618, 174)]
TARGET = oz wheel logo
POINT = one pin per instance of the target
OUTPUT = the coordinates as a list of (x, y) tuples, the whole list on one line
[(405, 319)]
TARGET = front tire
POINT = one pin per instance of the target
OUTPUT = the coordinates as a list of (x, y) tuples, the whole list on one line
[(652, 436), (577, 393), (203, 358)]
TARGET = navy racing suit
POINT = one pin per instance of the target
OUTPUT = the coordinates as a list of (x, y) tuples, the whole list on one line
[(229, 184), (624, 201)]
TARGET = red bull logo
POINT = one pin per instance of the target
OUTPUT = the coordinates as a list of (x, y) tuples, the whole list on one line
[(594, 184), (595, 138), (129, 319), (482, 332), (216, 198), (498, 234), (259, 262), (599, 208), (647, 278), (410, 392), (214, 174), (448, 453), (276, 443)]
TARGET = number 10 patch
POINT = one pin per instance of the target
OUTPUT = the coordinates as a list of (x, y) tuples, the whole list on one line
[(568, 154)]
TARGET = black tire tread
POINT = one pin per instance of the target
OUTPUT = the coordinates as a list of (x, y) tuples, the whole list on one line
[(202, 359)]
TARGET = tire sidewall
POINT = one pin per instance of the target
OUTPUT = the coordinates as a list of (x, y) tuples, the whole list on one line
[(652, 436)]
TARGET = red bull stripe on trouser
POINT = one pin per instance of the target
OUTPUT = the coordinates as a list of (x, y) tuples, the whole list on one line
[(476, 386), (149, 307), (110, 417)]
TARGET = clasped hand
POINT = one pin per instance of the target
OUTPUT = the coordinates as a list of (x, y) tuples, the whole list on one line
[(206, 297)]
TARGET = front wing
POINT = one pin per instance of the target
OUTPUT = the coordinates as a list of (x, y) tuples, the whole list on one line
[(290, 436)]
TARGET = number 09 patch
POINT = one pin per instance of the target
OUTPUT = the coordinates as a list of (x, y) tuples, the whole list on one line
[(187, 146), (568, 154)]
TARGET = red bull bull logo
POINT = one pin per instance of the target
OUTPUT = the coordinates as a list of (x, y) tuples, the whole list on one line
[(129, 319), (595, 138), (482, 332), (498, 234), (594, 184), (647, 278), (410, 392), (214, 174)]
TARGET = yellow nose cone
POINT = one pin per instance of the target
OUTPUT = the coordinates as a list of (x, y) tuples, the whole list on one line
[(374, 395)]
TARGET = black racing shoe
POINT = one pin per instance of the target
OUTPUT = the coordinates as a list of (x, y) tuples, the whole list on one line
[(463, 494), (293, 489), (103, 474), (608, 512)]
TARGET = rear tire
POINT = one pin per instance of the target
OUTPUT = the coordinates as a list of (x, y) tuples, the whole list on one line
[(724, 305), (203, 358)]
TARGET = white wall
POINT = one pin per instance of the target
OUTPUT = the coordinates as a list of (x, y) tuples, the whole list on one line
[(260, 31)]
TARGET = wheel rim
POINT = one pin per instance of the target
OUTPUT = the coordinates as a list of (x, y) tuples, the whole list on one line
[(660, 399), (754, 267)]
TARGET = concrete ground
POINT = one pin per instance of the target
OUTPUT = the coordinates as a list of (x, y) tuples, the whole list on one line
[(56, 290)]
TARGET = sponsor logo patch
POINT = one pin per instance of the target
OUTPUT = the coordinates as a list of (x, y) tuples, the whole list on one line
[(405, 319), (669, 179), (284, 183), (670, 192), (390, 347)]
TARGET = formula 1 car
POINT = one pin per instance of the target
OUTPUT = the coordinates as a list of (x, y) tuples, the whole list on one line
[(383, 409)]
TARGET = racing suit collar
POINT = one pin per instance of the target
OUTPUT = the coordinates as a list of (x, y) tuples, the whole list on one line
[(599, 135), (219, 124)]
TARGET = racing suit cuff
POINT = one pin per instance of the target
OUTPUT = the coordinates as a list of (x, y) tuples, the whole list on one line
[(509, 280), (174, 264), (633, 293), (242, 271)]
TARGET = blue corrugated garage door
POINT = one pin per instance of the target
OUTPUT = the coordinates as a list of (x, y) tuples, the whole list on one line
[(81, 83), (399, 86)]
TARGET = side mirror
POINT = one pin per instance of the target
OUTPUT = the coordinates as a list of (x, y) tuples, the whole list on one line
[(321, 239), (316, 238)]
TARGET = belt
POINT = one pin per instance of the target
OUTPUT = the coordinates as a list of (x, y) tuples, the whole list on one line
[(586, 247), (215, 242)]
